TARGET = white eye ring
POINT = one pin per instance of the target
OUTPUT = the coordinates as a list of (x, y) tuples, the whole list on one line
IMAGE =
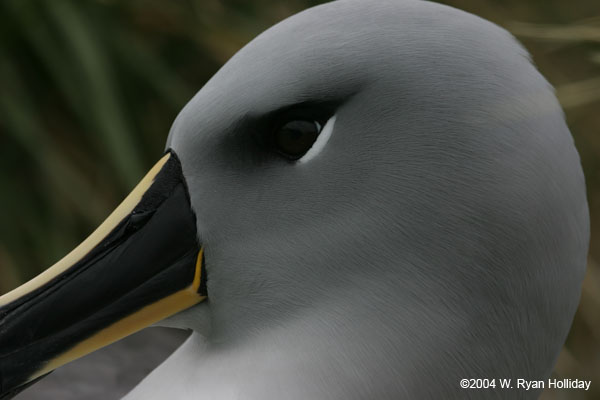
[(320, 143)]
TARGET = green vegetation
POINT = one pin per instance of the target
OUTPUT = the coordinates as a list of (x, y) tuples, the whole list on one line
[(90, 88)]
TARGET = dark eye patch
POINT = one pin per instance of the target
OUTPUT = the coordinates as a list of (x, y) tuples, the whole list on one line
[(284, 133), (292, 130), (294, 138)]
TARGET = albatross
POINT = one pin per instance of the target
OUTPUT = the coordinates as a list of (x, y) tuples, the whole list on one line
[(370, 200)]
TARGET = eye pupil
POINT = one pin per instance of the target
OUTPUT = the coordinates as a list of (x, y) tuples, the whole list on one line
[(295, 138)]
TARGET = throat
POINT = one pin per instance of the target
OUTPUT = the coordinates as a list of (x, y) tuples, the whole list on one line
[(319, 355)]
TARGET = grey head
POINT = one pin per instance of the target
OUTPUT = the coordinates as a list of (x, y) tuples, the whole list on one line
[(440, 233)]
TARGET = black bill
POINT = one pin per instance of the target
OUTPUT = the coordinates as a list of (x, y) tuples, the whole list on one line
[(143, 264)]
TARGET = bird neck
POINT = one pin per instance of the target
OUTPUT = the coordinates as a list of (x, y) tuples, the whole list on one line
[(355, 348)]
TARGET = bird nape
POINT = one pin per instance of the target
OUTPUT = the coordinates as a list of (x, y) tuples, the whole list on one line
[(377, 199)]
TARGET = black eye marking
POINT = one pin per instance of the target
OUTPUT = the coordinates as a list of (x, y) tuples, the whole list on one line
[(294, 138), (290, 131)]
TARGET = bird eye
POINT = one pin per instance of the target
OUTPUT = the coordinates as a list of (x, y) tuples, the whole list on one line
[(294, 138)]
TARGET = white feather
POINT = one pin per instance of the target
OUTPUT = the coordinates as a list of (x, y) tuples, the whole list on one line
[(321, 141)]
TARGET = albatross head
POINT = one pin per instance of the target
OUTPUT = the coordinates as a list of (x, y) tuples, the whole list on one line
[(377, 198)]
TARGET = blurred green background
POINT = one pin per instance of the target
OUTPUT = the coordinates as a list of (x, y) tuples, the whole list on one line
[(89, 89)]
